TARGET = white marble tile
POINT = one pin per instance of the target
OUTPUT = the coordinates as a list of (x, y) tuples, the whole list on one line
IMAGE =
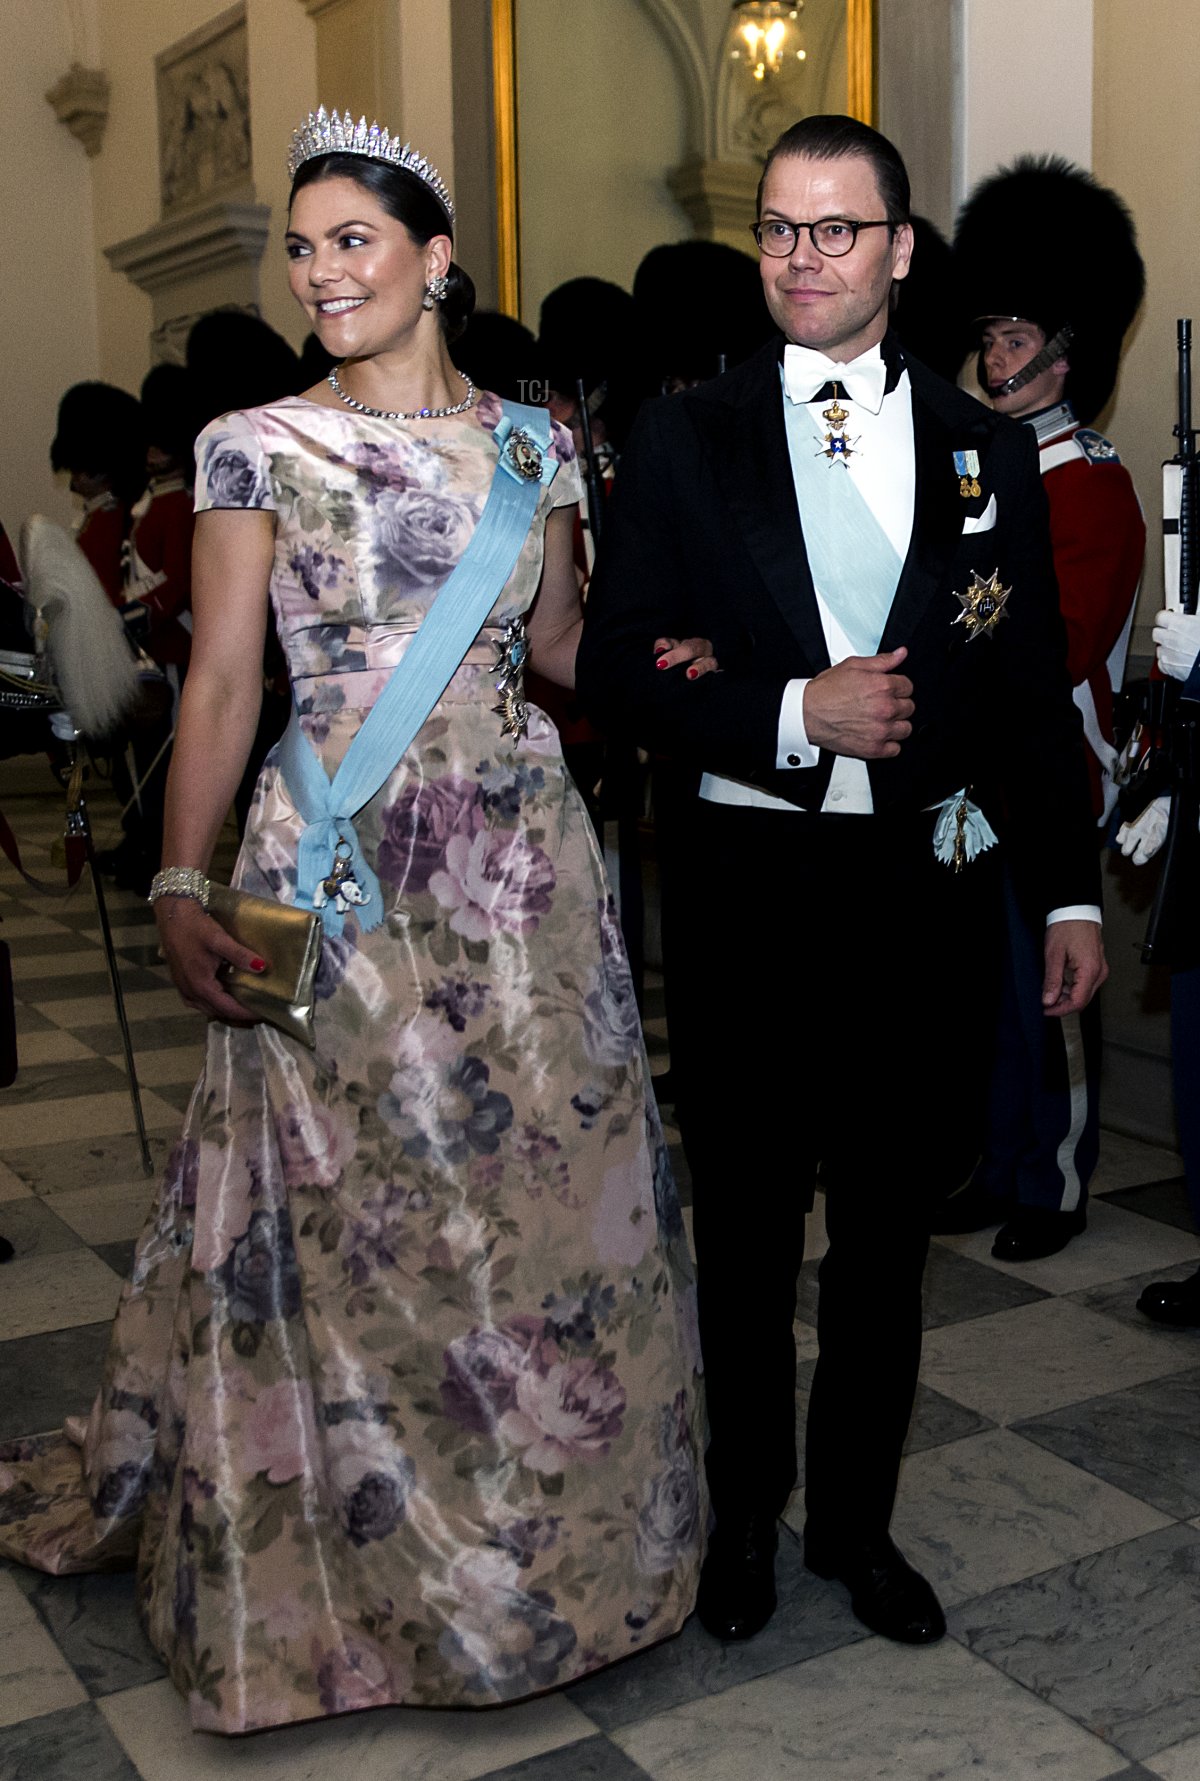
[(140, 933), (391, 1742), (94, 1011), (170, 1064), (11, 1186), (1115, 1245), (1037, 1357), (1128, 1162), (33, 927), (51, 1047), (35, 1677), (1181, 1763), (55, 1292), (81, 1117), (992, 1509), (815, 1240), (106, 1214), (872, 1712), (55, 964)]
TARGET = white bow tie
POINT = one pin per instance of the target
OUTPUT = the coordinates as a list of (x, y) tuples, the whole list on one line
[(806, 371)]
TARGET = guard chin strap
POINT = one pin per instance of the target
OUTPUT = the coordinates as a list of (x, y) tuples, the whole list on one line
[(1041, 361)]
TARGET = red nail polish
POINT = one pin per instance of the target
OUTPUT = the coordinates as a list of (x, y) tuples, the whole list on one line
[(662, 662), (692, 673), (258, 964)]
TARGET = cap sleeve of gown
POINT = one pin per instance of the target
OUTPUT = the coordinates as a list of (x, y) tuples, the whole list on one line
[(567, 488), (232, 469)]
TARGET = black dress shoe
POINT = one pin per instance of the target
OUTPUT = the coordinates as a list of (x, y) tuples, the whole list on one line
[(6, 1250), (886, 1594), (1175, 1302), (970, 1209), (1034, 1231), (737, 1583)]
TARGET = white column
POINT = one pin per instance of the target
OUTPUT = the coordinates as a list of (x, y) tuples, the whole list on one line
[(1023, 84)]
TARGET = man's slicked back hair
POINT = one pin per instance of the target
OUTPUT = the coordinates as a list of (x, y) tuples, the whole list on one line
[(829, 137)]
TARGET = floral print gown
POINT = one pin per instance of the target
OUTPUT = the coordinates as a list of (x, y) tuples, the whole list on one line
[(402, 1400)]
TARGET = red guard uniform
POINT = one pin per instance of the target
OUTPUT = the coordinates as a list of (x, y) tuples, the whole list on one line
[(161, 569), (1099, 539)]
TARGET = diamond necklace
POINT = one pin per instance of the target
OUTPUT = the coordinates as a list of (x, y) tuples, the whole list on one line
[(397, 414)]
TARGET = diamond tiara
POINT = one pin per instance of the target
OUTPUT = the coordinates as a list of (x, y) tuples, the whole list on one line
[(323, 134)]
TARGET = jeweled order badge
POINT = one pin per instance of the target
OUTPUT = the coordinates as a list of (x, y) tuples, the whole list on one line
[(524, 454), (983, 605)]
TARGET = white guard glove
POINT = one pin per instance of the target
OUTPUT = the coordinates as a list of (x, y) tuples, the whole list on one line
[(1177, 635), (1141, 839)]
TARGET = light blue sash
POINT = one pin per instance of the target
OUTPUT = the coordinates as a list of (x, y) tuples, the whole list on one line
[(418, 681), (855, 565)]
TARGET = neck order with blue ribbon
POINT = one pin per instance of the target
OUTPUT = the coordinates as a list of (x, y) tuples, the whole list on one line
[(333, 874)]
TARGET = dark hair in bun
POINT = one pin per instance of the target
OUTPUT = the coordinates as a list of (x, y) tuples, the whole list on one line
[(412, 203)]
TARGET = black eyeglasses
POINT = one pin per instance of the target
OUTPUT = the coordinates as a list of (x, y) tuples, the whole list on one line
[(830, 235)]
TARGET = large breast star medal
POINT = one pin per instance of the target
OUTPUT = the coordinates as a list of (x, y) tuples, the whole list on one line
[(837, 448), (983, 605), (511, 659)]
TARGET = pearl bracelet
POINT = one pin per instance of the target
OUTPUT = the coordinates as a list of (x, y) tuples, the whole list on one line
[(180, 881)]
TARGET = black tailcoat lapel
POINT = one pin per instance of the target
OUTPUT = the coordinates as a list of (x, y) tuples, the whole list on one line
[(747, 443), (938, 510)]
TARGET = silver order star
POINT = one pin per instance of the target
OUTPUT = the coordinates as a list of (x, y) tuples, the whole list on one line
[(983, 605)]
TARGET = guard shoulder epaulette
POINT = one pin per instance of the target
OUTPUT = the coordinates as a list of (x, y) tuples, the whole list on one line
[(1096, 448)]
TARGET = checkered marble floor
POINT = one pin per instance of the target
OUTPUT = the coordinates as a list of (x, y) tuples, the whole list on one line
[(1051, 1488)]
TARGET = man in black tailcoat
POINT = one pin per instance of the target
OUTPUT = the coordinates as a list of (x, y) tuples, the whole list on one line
[(868, 549)]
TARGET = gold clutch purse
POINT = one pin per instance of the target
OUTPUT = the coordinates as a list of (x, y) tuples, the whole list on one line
[(290, 941)]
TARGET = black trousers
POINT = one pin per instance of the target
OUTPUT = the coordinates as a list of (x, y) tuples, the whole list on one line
[(831, 1000)]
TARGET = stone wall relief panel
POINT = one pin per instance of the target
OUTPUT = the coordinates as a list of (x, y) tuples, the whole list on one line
[(205, 250), (203, 91)]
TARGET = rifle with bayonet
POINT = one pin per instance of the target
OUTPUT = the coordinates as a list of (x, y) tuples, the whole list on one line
[(1173, 931)]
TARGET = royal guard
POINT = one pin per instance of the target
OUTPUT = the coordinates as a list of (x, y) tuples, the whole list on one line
[(1050, 275)]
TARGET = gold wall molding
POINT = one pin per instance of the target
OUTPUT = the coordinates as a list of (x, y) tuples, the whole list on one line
[(508, 183)]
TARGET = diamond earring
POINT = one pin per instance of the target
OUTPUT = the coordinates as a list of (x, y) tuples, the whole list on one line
[(435, 291)]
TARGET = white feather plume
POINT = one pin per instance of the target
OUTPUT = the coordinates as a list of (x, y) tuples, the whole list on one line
[(85, 638)]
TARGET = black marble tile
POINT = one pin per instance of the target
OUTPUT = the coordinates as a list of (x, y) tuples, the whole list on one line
[(93, 1621), (92, 983), (73, 1745), (29, 1020), (147, 955), (595, 1759), (119, 1256), (34, 1229), (160, 1033), (69, 940), (45, 1378), (936, 1421), (175, 1094), (957, 1288), (812, 1617), (1145, 1441), (1108, 1640), (52, 1168), (1165, 1201), (1118, 1299), (54, 1082)]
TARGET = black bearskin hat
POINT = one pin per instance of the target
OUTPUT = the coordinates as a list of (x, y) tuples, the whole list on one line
[(1045, 241)]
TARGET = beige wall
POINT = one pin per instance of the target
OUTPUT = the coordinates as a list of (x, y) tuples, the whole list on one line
[(282, 51), (1147, 146), (601, 121), (48, 336)]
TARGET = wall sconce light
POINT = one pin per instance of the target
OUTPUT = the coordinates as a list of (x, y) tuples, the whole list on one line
[(766, 36)]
